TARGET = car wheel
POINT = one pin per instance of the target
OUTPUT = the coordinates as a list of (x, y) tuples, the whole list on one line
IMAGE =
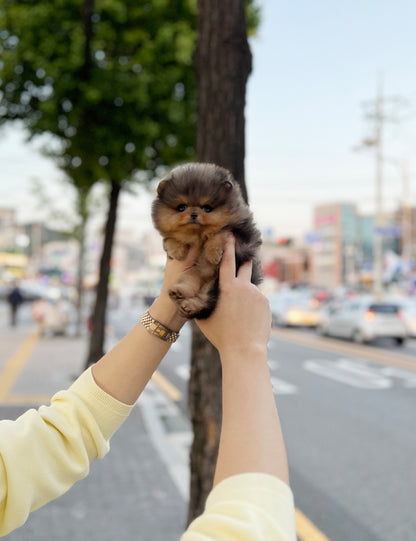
[(358, 337), (320, 329), (400, 341)]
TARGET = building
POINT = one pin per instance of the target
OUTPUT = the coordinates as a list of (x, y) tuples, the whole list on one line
[(334, 227), (285, 262), (8, 229), (343, 249), (406, 217), (342, 252)]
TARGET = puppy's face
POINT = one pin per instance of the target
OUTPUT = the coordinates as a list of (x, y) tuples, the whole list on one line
[(197, 199)]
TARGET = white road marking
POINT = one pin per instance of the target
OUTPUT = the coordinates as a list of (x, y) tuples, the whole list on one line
[(183, 371), (350, 372), (273, 365), (408, 379), (283, 387), (172, 448)]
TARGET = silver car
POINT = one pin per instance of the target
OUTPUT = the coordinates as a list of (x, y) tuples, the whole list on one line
[(363, 320)]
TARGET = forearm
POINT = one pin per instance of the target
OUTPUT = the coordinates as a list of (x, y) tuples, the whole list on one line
[(251, 436), (45, 452), (125, 370)]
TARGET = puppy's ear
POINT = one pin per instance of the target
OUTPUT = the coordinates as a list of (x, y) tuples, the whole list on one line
[(162, 187), (227, 185)]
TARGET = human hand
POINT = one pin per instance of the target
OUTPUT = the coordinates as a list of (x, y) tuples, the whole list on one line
[(163, 309), (241, 321), (175, 269)]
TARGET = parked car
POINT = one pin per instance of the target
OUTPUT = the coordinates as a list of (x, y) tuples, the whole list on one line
[(409, 314), (294, 310), (363, 320)]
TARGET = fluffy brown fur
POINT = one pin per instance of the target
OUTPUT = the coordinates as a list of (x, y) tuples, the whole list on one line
[(199, 204)]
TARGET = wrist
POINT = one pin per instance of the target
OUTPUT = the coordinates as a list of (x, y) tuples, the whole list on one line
[(165, 311), (253, 354)]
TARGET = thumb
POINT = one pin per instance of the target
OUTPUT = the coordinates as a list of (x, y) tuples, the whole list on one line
[(191, 257)]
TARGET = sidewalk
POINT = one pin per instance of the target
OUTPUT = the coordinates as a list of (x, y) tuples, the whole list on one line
[(135, 492)]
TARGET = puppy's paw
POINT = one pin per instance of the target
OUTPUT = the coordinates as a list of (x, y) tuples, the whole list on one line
[(190, 307), (176, 293)]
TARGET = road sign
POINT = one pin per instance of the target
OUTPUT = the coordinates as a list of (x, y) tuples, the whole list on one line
[(388, 231)]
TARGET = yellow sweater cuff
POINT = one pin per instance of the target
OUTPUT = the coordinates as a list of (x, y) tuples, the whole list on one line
[(108, 412), (259, 491)]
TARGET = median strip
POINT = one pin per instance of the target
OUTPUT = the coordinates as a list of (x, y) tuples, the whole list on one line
[(306, 530), (167, 387)]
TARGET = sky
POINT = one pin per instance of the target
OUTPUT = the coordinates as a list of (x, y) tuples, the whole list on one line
[(315, 65)]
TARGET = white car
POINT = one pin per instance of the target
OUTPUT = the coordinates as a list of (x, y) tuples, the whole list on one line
[(409, 312), (363, 320)]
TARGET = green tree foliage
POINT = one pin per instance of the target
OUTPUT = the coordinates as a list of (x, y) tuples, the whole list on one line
[(253, 16), (112, 80)]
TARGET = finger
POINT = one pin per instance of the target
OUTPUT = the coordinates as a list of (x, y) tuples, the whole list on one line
[(227, 265), (191, 257), (244, 272)]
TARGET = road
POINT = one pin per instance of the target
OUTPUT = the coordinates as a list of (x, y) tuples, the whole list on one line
[(348, 416)]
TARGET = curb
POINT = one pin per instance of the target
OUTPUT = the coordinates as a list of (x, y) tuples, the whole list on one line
[(170, 433)]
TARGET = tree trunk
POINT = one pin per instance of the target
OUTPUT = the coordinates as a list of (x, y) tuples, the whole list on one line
[(96, 349), (80, 278), (223, 62)]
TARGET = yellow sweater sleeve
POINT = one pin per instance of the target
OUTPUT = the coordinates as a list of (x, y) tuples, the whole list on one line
[(246, 507), (44, 452)]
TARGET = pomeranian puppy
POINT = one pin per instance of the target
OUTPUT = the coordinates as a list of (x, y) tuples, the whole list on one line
[(199, 204)]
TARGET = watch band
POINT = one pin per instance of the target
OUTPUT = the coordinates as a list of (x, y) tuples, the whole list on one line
[(159, 330)]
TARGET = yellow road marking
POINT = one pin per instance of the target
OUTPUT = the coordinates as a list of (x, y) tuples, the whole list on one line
[(306, 530), (333, 345), (167, 387), (15, 365)]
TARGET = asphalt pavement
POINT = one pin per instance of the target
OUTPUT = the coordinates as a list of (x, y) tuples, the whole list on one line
[(134, 492), (348, 417), (347, 413)]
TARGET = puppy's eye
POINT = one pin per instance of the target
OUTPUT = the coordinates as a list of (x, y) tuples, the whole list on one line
[(207, 208), (181, 208)]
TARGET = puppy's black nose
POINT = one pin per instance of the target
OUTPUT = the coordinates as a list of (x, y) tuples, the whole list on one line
[(194, 215)]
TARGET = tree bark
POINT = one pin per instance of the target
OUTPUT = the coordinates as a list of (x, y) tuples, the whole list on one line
[(80, 278), (96, 347), (223, 62), (87, 12)]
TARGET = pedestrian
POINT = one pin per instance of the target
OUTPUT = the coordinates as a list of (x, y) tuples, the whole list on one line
[(45, 452), (15, 299)]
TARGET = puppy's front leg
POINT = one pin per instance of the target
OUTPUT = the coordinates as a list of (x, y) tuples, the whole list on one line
[(188, 286), (214, 248), (175, 249)]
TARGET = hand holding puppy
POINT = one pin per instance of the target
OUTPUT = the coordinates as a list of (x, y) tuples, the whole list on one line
[(241, 321)]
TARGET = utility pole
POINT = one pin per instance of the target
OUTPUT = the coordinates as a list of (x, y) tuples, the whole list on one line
[(378, 218), (406, 216), (378, 115)]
